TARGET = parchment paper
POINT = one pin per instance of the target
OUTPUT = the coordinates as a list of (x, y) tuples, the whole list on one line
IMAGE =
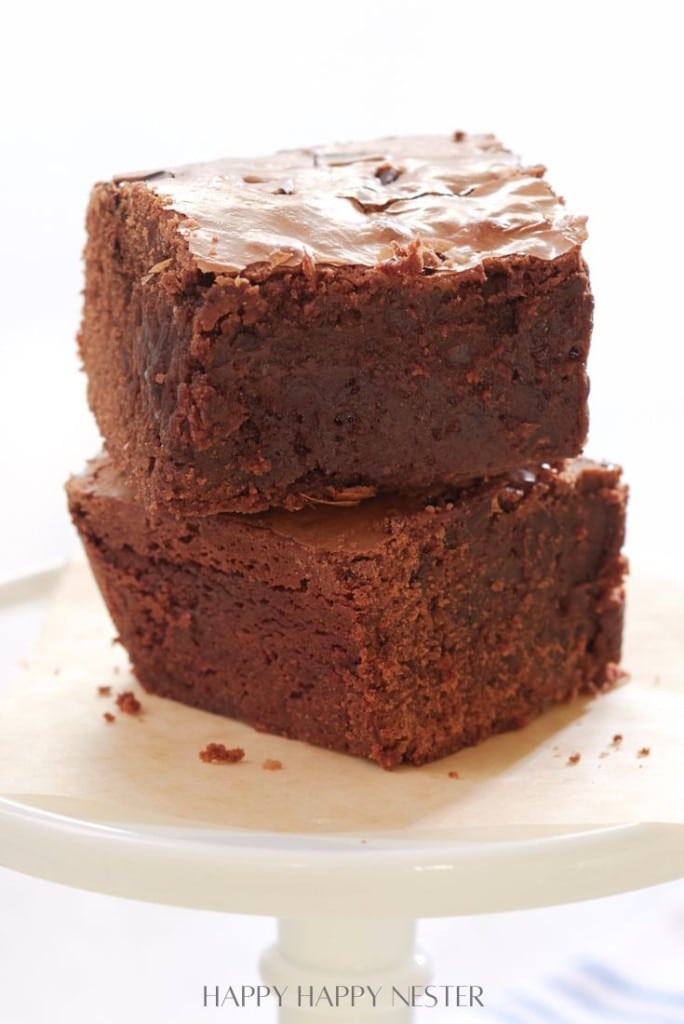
[(58, 752)]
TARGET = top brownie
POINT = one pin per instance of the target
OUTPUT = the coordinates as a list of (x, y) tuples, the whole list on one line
[(329, 324)]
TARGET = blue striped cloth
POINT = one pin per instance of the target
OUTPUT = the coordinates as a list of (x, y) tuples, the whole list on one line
[(624, 963), (594, 993)]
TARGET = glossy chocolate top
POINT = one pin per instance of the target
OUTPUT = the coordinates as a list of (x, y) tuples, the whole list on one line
[(451, 201)]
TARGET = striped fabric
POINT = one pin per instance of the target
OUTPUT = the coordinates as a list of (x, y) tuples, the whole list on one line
[(592, 993), (632, 974)]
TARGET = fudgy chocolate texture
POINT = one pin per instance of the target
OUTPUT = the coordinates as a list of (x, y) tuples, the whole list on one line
[(411, 314), (399, 630)]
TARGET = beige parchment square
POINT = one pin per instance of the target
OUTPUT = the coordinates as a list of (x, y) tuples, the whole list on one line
[(57, 751)]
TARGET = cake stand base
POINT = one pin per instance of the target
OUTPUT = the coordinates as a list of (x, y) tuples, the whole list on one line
[(345, 971)]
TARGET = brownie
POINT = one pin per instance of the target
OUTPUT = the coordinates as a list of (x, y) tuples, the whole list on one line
[(400, 630), (388, 317)]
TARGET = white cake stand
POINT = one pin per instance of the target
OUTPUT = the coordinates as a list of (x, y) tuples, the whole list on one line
[(347, 904), (346, 907)]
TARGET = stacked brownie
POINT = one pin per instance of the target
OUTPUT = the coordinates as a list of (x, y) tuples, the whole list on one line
[(342, 393)]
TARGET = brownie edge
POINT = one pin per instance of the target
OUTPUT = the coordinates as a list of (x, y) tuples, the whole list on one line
[(429, 625)]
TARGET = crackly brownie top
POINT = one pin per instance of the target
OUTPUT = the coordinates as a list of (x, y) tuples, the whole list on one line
[(453, 200)]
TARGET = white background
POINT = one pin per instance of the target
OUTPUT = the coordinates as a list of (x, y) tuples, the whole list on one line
[(592, 90)]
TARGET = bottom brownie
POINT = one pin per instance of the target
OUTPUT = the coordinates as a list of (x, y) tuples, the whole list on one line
[(399, 630)]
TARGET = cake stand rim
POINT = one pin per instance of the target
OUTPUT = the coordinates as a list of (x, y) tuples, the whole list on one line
[(299, 875)]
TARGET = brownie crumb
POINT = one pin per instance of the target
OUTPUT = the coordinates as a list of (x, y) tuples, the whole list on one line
[(574, 759), (644, 752), (617, 739), (309, 268), (459, 136), (453, 775), (272, 764), (104, 691), (128, 703), (345, 495), (109, 717), (218, 753), (387, 173)]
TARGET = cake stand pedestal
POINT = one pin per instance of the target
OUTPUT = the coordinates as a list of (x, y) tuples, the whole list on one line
[(369, 968), (346, 906)]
